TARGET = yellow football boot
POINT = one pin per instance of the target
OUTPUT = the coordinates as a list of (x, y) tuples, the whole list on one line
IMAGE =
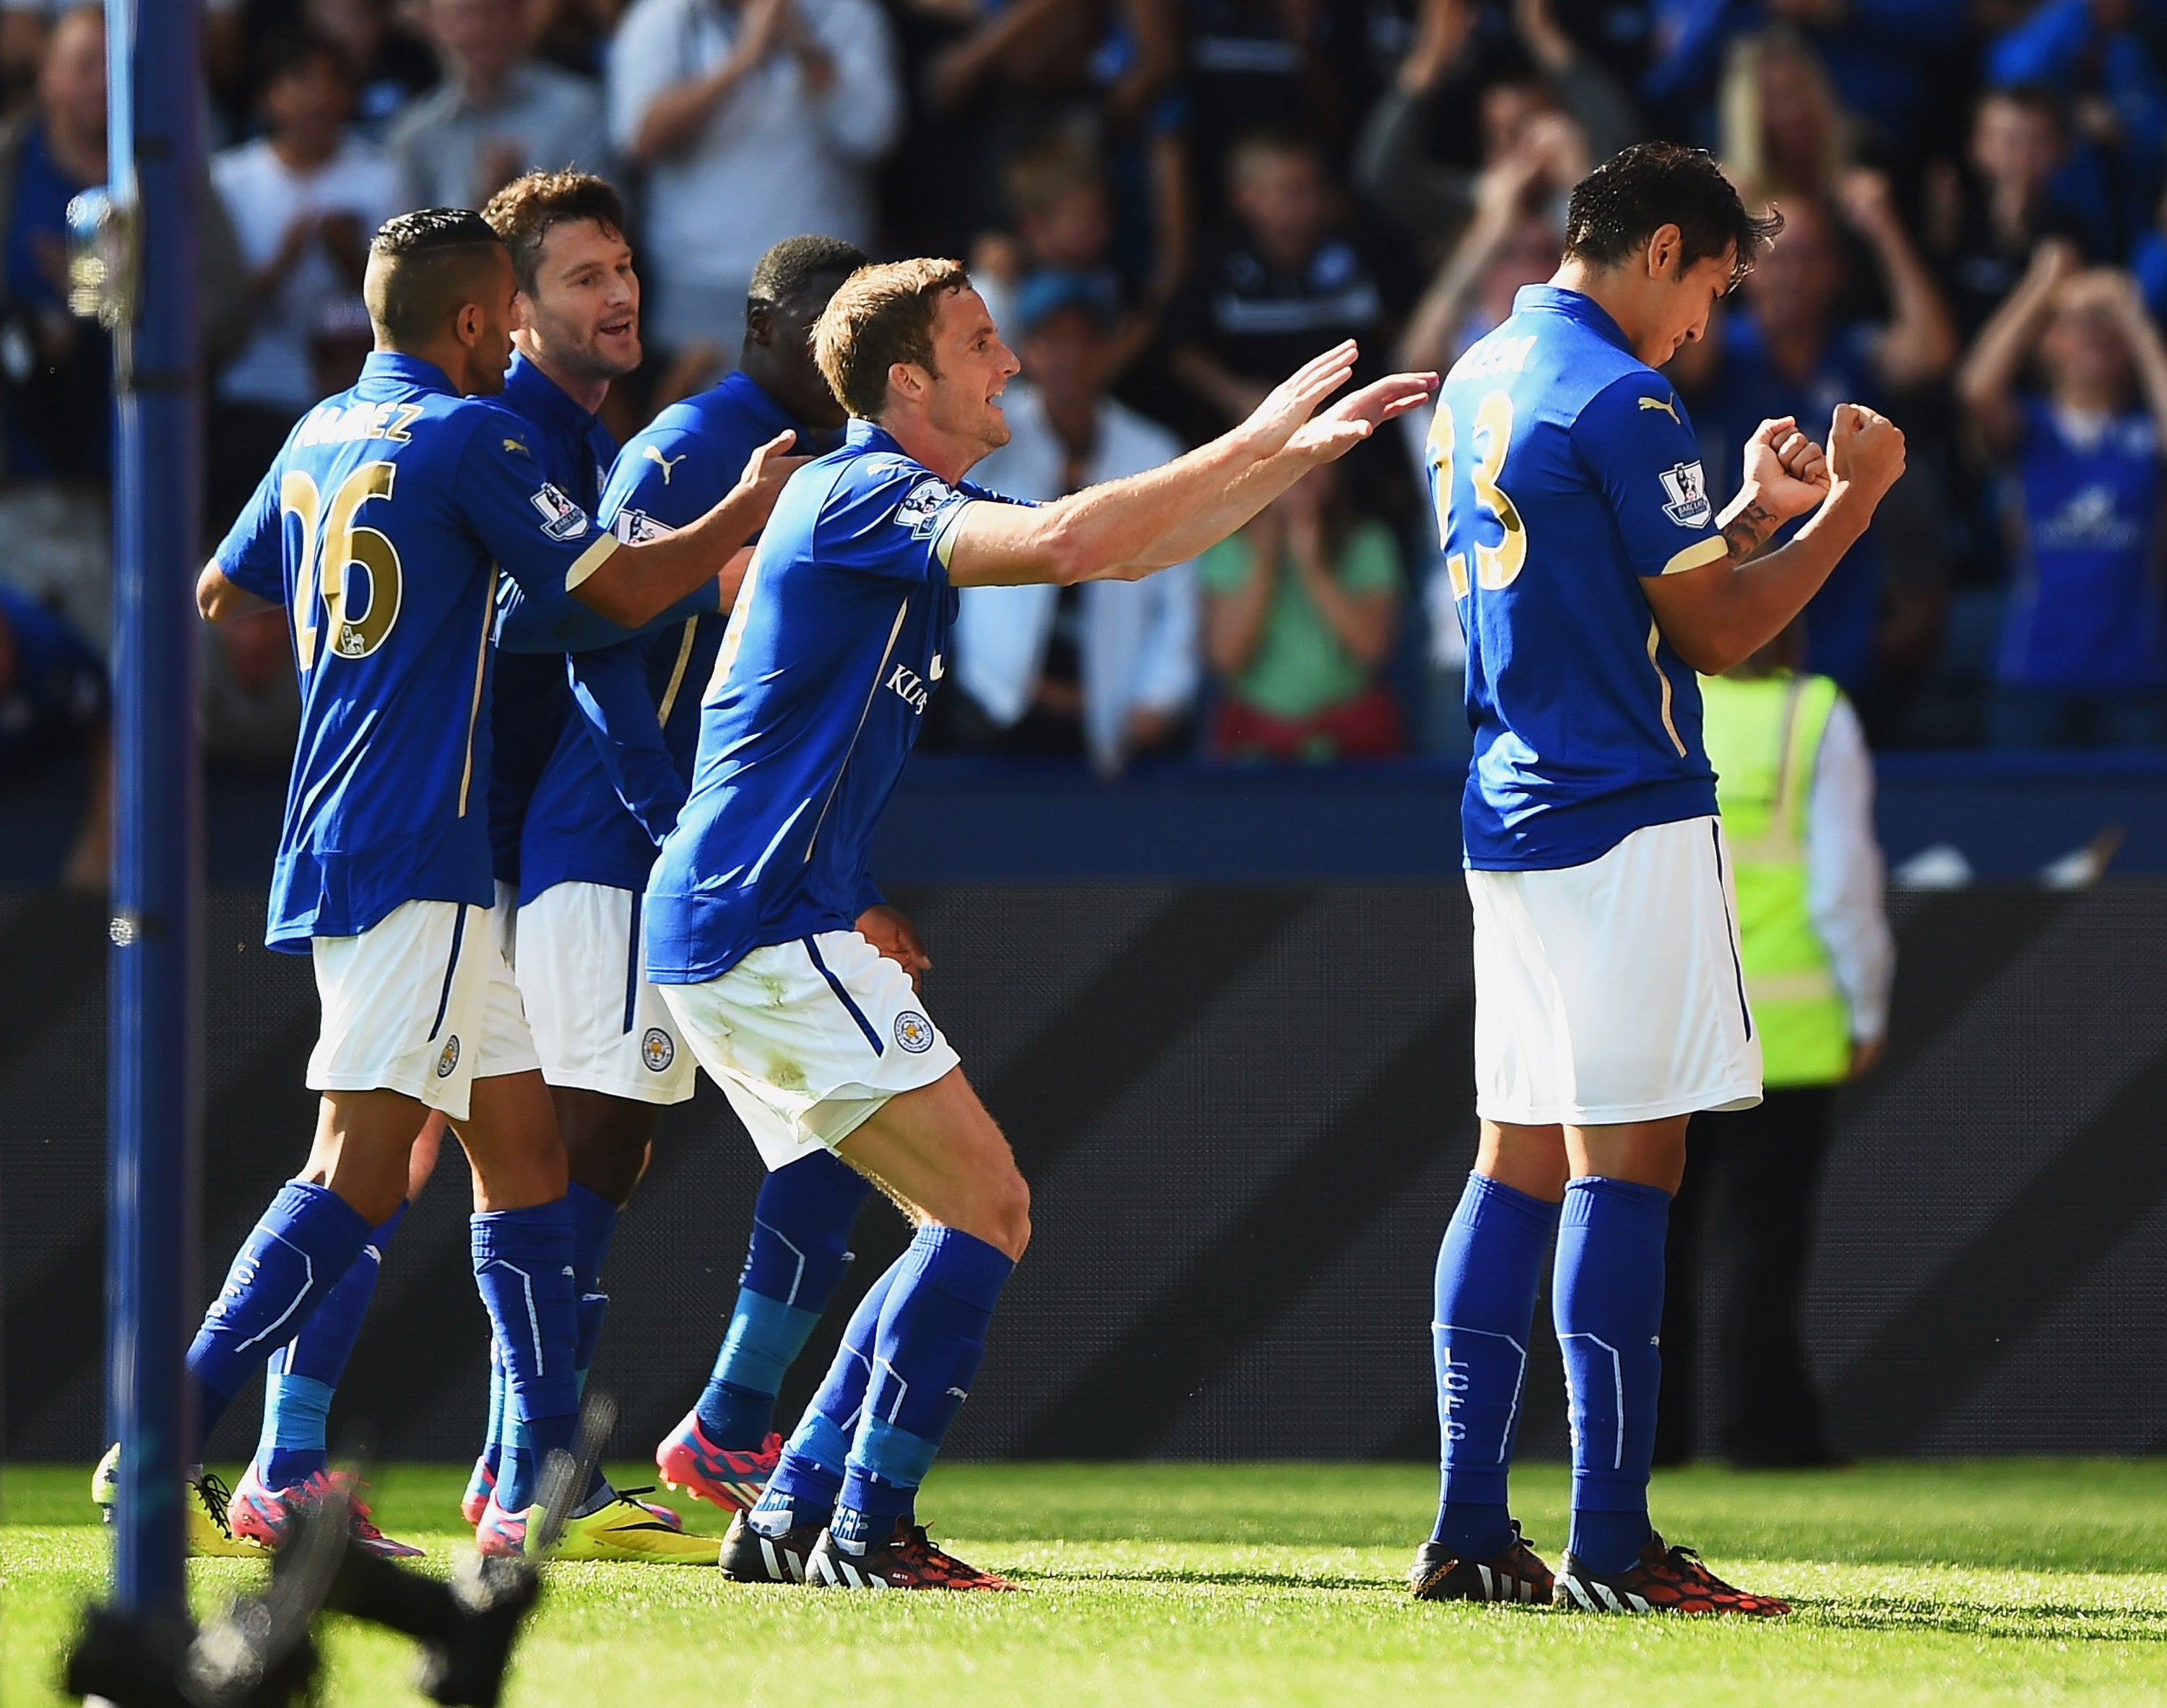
[(203, 1504), (624, 1530)]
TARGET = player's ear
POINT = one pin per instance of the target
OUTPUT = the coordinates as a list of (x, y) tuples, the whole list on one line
[(466, 324), (1665, 246), (759, 323), (906, 378)]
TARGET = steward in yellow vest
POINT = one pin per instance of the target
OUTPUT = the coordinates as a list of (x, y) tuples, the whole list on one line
[(1763, 735)]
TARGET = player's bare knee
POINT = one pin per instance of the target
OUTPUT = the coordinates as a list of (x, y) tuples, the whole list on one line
[(1007, 1213)]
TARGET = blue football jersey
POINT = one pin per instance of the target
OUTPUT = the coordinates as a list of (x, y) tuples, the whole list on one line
[(383, 526), (820, 688), (1563, 469), (530, 702), (619, 770), (2085, 607)]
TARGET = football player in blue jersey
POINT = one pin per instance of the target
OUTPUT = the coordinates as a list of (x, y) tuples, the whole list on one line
[(1593, 579), (609, 1047), (383, 528), (821, 1042)]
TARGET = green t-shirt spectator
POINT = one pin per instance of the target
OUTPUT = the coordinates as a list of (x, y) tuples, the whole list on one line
[(1299, 668)]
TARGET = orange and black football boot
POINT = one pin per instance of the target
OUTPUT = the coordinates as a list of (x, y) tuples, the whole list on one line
[(905, 1561), (1666, 1580)]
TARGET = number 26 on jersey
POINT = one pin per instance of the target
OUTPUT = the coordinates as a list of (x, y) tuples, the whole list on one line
[(1495, 566)]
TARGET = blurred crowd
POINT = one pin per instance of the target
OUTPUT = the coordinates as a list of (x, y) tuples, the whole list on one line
[(1169, 203)]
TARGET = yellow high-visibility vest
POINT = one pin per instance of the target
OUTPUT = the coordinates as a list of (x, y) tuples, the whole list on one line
[(1763, 737)]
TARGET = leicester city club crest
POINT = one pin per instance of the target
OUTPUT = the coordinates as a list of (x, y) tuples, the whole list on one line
[(448, 1057), (658, 1049), (914, 1032)]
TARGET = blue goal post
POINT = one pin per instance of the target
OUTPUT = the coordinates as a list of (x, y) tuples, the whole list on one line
[(139, 273)]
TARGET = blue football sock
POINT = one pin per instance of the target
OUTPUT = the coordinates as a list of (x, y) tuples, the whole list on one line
[(522, 1264), (292, 1259), (1488, 1268), (1606, 1297), (500, 1411), (303, 1374), (796, 1259), (932, 1337), (593, 1221), (803, 1489)]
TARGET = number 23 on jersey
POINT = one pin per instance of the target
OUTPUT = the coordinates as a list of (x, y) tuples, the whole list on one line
[(1495, 566)]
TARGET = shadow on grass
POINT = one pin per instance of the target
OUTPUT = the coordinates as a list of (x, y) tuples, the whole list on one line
[(2032, 1622)]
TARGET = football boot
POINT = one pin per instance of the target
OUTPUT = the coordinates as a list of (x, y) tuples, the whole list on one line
[(203, 1507), (266, 1516), (500, 1534), (481, 1485), (1517, 1574), (1664, 1580), (907, 1560), (730, 1478), (625, 1528), (750, 1558)]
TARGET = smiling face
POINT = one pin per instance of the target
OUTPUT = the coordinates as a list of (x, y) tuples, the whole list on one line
[(960, 400), (583, 314)]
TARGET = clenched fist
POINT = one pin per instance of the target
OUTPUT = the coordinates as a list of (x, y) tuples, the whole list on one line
[(1865, 451)]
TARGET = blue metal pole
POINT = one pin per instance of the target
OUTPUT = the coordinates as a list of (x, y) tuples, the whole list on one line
[(154, 150)]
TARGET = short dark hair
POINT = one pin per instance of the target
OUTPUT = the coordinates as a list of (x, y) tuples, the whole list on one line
[(879, 316), (291, 51), (1616, 208), (793, 265), (2037, 98), (423, 267), (525, 211)]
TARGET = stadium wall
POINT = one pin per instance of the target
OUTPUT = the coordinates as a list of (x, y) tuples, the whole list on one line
[(1245, 1115)]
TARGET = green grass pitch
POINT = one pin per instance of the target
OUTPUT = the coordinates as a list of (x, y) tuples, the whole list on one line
[(2002, 1581)]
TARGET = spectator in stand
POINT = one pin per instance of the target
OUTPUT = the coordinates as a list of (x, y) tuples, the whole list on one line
[(252, 699), (1788, 353), (1107, 670), (2098, 54), (1414, 177), (1300, 611), (755, 119), (499, 113), (2083, 658), (1286, 282), (1986, 221), (386, 65), (53, 700), (1783, 136), (1886, 59), (1063, 223), (304, 199), (56, 371)]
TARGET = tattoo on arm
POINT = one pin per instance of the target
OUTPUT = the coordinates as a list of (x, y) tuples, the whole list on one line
[(1747, 532)]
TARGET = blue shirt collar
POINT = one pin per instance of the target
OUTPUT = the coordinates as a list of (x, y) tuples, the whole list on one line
[(533, 393), (401, 369), (1574, 305), (863, 436), (750, 396)]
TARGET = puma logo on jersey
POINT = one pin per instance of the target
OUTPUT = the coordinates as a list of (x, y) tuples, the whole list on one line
[(653, 453), (514, 445), (1665, 405)]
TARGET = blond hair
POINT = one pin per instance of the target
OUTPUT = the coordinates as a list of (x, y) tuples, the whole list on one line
[(1743, 139), (880, 315)]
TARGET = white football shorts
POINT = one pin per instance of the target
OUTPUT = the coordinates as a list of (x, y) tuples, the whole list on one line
[(598, 1024), (421, 1002), (808, 1039), (1614, 991)]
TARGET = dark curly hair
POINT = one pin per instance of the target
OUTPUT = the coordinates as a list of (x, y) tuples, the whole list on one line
[(1616, 208)]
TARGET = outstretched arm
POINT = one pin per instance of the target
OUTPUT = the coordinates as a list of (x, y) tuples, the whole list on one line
[(1126, 529)]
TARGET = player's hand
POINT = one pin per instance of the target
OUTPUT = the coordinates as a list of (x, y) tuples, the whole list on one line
[(1787, 470), (1352, 419), (768, 467), (1290, 402), (1865, 451), (890, 930)]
